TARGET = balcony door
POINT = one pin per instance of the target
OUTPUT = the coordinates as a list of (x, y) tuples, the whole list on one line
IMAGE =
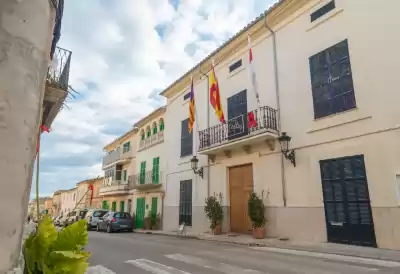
[(237, 115)]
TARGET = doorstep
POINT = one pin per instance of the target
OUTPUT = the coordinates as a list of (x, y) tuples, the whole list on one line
[(317, 247)]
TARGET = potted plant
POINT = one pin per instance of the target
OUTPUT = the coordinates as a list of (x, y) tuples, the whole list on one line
[(213, 210), (256, 215), (155, 222), (147, 220)]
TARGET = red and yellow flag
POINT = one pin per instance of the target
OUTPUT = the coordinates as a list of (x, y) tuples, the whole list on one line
[(215, 99), (191, 108)]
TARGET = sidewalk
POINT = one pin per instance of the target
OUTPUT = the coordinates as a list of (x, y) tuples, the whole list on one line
[(327, 248)]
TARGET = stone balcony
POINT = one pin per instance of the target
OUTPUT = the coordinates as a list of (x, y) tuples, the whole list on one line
[(151, 141), (115, 187), (118, 156)]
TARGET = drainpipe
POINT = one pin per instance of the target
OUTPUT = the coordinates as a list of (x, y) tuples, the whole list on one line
[(278, 106), (207, 126)]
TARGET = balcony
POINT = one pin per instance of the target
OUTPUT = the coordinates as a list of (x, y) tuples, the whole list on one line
[(56, 85), (146, 181), (115, 187), (118, 156), (242, 131), (151, 141)]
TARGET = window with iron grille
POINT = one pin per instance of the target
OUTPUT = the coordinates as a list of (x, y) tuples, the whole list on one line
[(235, 66), (322, 11), (332, 81), (186, 139), (185, 202)]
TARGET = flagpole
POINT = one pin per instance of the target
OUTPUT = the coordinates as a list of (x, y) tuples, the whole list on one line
[(37, 173)]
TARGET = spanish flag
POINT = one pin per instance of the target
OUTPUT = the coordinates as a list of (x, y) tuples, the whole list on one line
[(215, 99), (191, 108)]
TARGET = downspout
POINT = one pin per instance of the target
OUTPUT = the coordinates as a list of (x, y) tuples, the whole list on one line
[(207, 126), (278, 106)]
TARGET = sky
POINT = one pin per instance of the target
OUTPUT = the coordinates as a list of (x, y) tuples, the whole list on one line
[(123, 56)]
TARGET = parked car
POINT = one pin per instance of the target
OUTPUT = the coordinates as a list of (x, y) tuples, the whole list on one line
[(93, 216), (56, 220), (74, 216), (115, 221), (63, 219)]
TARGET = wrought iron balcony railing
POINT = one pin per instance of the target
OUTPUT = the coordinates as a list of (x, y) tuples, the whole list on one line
[(58, 73), (248, 124), (152, 177)]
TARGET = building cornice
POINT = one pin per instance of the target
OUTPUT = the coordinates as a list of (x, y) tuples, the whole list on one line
[(156, 113), (123, 137)]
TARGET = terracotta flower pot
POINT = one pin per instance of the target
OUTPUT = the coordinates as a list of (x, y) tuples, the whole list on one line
[(217, 230), (259, 232)]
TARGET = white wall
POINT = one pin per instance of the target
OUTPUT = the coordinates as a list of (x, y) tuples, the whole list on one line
[(371, 30)]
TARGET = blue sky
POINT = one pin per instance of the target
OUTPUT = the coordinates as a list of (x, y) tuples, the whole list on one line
[(122, 57)]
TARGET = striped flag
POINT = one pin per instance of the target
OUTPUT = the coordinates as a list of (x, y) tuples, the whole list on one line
[(252, 72), (191, 107), (215, 99)]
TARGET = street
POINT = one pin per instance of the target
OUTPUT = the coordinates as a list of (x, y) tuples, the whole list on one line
[(124, 253)]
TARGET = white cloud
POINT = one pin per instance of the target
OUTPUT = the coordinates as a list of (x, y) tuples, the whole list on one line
[(118, 59)]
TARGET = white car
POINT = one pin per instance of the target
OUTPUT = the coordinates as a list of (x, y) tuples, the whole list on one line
[(92, 217)]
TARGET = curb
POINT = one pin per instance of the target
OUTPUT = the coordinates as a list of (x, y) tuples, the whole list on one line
[(168, 235), (294, 248)]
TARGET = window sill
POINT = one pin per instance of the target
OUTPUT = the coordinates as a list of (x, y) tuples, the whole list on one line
[(324, 18), (338, 119)]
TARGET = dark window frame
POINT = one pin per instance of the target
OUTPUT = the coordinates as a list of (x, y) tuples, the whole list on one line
[(331, 81), (186, 96), (235, 65), (322, 10), (185, 202), (186, 139)]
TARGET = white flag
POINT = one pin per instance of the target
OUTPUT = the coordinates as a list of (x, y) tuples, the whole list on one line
[(252, 72)]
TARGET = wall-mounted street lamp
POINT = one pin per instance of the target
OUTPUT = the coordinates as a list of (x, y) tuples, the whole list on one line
[(284, 141), (194, 163)]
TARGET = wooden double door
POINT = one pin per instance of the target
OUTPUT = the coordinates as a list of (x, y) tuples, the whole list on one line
[(240, 188)]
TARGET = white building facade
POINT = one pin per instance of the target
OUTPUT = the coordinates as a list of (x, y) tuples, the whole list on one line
[(331, 85)]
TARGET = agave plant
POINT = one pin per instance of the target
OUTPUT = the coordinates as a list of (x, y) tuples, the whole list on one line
[(50, 252)]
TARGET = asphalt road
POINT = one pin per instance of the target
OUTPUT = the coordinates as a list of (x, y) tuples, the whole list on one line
[(124, 253)]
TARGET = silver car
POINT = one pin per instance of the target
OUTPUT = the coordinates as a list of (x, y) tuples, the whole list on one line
[(93, 216)]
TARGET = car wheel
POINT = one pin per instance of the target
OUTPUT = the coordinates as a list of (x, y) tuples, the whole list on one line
[(97, 228), (109, 229)]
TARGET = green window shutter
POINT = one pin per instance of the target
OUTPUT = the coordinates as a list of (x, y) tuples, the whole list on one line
[(143, 136), (114, 206), (155, 129), (127, 147), (122, 206), (142, 174), (154, 207), (149, 132), (105, 205), (125, 175), (156, 170), (162, 125)]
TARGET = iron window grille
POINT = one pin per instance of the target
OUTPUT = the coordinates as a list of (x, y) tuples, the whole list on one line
[(235, 66), (186, 139), (331, 81), (322, 11), (185, 203)]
